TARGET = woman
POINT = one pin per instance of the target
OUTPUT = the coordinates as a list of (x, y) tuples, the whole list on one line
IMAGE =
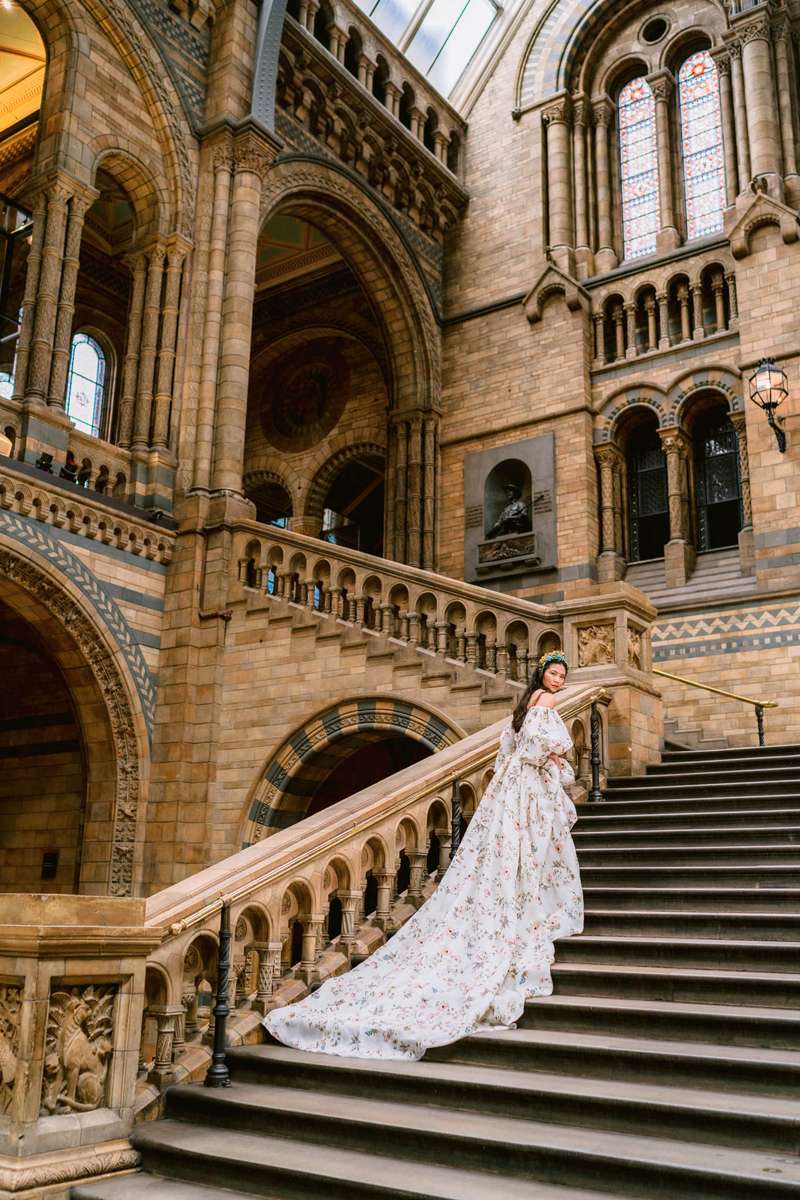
[(483, 942)]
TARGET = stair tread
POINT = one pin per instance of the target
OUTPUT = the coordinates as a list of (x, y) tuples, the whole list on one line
[(604, 939), (154, 1187), (602, 1145), (690, 829), (666, 1008), (742, 847), (696, 973), (691, 1051), (319, 1163), (486, 1077), (689, 913)]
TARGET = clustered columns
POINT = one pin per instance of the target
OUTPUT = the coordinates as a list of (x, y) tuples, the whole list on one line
[(746, 545), (411, 475), (48, 305), (756, 74), (679, 553), (240, 166), (662, 86), (611, 562)]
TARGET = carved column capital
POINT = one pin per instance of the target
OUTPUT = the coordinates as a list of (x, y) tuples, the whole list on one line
[(603, 112), (253, 153), (662, 85), (722, 59), (674, 441), (608, 454), (558, 112), (756, 30), (580, 110)]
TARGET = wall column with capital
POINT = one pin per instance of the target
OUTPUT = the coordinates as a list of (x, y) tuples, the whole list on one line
[(722, 59), (148, 347), (557, 119), (663, 87), (48, 289), (743, 170), (679, 554), (252, 155), (782, 41), (605, 257), (177, 250), (583, 251), (79, 205), (746, 544), (611, 561), (762, 115)]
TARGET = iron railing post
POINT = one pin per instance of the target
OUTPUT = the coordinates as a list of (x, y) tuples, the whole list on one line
[(455, 818), (596, 794), (760, 723), (218, 1074)]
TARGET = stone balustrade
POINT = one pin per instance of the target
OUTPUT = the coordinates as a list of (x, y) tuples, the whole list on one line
[(347, 86), (643, 312)]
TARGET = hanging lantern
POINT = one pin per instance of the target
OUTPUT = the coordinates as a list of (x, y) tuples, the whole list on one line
[(769, 387)]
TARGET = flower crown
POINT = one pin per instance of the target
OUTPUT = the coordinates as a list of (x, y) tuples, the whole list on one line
[(552, 656)]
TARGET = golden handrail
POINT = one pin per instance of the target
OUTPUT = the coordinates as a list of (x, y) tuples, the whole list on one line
[(759, 705)]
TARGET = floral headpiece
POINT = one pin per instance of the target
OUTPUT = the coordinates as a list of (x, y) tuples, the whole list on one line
[(552, 656)]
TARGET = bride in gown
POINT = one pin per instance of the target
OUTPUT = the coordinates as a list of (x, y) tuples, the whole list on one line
[(483, 943)]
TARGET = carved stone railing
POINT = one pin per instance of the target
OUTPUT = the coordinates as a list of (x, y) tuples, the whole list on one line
[(81, 510), (462, 623), (406, 144)]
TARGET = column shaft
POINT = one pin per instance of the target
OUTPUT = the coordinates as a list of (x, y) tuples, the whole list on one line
[(165, 372), (605, 234), (579, 172), (47, 293), (130, 370), (662, 88), (400, 513), (429, 439), (29, 295), (762, 125), (723, 61), (414, 508), (782, 44), (740, 112), (148, 347), (62, 340), (559, 175)]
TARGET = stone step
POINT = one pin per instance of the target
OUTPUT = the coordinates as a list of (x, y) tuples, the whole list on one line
[(597, 819), (757, 752), (699, 788), (776, 771), (722, 836), (766, 927), (720, 954), (636, 1059), (152, 1187), (786, 854), (688, 985), (275, 1090), (688, 804), (772, 762), (412, 1140), (754, 874), (778, 900), (671, 1021)]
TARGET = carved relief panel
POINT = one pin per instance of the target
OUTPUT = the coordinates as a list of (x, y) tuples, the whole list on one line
[(10, 1010), (78, 1048), (596, 644)]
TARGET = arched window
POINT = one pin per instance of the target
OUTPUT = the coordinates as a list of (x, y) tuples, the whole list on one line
[(86, 384), (636, 114), (701, 143)]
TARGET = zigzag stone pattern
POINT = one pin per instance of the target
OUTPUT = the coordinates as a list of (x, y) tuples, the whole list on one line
[(31, 535)]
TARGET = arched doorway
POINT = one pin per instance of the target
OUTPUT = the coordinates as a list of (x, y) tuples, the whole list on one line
[(353, 506), (337, 753), (718, 490), (648, 502)]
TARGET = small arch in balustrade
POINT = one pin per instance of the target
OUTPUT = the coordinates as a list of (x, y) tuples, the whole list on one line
[(517, 642), (715, 298), (346, 581), (249, 571), (84, 472), (437, 823), (407, 835), (11, 433), (321, 576), (429, 129), (454, 153), (402, 877), (297, 906), (579, 753), (199, 980), (407, 103), (336, 879), (548, 642), (323, 20), (615, 328), (426, 607), (380, 79), (680, 309), (647, 324), (468, 805), (485, 628), (257, 919), (157, 992), (372, 591), (120, 488), (353, 51), (456, 617), (103, 481)]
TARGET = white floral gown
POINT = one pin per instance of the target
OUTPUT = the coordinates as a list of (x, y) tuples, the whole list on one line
[(483, 942)]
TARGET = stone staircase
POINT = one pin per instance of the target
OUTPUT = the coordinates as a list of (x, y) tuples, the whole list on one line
[(666, 1064), (716, 572)]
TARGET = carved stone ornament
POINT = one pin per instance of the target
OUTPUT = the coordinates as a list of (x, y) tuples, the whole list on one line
[(50, 1174), (115, 695), (78, 1048), (305, 395), (241, 930), (10, 1009), (596, 645), (635, 648), (503, 549)]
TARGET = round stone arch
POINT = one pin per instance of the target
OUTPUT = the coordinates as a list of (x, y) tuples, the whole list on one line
[(144, 184), (331, 199), (324, 478), (709, 379), (280, 794), (617, 406), (118, 749)]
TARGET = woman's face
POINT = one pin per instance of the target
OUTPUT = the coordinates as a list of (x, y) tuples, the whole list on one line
[(555, 677)]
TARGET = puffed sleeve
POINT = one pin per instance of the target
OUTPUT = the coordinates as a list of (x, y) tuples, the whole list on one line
[(508, 744), (546, 734)]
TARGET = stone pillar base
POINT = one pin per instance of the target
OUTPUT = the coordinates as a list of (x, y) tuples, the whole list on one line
[(605, 260), (667, 239), (52, 1176), (747, 554), (584, 263), (610, 567), (679, 560)]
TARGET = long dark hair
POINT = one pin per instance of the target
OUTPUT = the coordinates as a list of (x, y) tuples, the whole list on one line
[(535, 684)]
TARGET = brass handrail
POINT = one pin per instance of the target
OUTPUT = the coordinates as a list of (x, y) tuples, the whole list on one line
[(759, 705)]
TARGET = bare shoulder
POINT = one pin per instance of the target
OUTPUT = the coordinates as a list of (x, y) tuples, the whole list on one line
[(545, 700), (534, 700)]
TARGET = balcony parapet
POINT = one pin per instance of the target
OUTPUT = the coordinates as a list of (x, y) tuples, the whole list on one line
[(407, 144)]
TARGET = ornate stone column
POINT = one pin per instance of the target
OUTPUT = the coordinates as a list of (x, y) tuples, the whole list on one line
[(746, 546), (419, 863), (445, 846), (166, 1016), (603, 112), (599, 339), (29, 295), (165, 372), (312, 929), (579, 123), (740, 114), (718, 288), (252, 156), (156, 255), (611, 561), (137, 264), (557, 119), (347, 937), (683, 301), (401, 488), (59, 193), (722, 58), (414, 500), (733, 302), (630, 329), (366, 74), (430, 440), (663, 320), (617, 314), (650, 309), (781, 39), (383, 906), (762, 120), (79, 205), (679, 555), (698, 330), (663, 87)]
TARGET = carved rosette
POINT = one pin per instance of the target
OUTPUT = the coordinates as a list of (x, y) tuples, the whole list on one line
[(596, 644), (103, 666), (10, 1010), (78, 1047)]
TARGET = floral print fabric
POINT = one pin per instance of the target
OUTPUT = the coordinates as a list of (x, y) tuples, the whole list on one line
[(483, 942)]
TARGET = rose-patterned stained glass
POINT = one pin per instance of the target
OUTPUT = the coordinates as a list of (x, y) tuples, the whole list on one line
[(636, 114), (701, 137)]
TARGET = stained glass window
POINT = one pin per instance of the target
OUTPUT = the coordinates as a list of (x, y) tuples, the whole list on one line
[(86, 384), (636, 114), (701, 137)]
